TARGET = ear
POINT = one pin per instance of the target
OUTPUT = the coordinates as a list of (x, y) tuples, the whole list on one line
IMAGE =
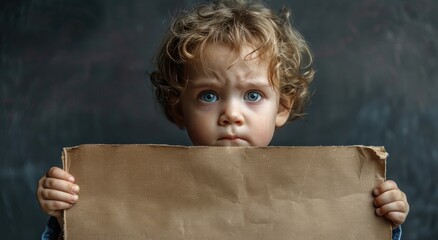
[(175, 111), (284, 110)]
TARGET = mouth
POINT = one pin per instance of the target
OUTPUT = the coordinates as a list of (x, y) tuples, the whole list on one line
[(230, 138)]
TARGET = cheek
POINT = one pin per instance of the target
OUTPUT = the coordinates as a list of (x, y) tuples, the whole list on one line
[(264, 135), (200, 125), (263, 127), (199, 116)]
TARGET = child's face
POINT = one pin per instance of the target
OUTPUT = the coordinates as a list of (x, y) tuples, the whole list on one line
[(231, 102)]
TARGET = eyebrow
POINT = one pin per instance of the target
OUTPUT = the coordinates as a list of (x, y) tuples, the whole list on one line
[(204, 84), (244, 84), (254, 84)]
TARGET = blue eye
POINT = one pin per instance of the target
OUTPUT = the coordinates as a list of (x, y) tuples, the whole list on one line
[(208, 97), (253, 96)]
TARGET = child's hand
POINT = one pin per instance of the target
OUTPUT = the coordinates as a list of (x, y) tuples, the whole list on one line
[(56, 192), (391, 202)]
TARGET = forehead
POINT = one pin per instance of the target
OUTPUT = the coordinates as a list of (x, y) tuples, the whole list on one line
[(220, 57), (220, 66)]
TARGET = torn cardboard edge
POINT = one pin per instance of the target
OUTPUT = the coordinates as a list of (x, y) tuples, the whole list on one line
[(214, 220)]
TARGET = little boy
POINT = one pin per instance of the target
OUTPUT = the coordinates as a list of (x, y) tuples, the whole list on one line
[(230, 72)]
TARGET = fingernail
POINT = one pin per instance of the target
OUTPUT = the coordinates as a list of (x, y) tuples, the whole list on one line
[(379, 211), (75, 198), (75, 189), (71, 179), (375, 192)]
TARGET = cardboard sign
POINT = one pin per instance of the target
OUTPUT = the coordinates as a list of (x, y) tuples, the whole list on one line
[(176, 192)]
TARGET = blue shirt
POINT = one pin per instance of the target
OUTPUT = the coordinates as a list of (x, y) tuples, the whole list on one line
[(53, 230)]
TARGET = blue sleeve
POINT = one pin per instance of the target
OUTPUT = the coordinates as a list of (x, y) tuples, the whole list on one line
[(396, 233), (52, 231)]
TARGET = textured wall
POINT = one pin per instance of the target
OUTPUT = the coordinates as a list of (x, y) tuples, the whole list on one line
[(73, 72)]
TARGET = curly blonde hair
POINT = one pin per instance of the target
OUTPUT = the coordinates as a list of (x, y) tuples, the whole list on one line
[(235, 24)]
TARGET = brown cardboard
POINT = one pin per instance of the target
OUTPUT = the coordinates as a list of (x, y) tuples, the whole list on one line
[(175, 192)]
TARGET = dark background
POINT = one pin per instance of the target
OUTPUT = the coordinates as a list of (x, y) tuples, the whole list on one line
[(73, 72)]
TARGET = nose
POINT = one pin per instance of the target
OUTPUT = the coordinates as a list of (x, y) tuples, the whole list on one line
[(231, 114)]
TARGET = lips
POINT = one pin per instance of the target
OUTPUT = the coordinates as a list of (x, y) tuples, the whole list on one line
[(229, 138), (232, 140)]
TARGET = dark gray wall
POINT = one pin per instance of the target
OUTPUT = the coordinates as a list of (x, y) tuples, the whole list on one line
[(73, 72)]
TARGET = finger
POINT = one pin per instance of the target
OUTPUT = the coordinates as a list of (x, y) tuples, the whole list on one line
[(60, 185), (58, 173), (396, 218), (398, 206), (53, 207), (54, 195), (388, 197), (385, 186)]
